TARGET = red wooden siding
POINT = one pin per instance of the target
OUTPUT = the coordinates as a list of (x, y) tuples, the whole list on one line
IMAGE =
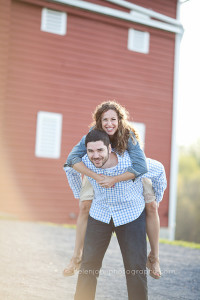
[(70, 75)]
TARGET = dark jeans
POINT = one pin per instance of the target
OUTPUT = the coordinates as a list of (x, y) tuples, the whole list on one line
[(132, 241)]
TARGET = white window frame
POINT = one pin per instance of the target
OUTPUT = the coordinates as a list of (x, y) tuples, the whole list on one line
[(44, 24), (132, 46), (141, 129), (48, 136)]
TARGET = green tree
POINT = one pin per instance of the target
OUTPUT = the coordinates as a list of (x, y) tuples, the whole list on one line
[(188, 204)]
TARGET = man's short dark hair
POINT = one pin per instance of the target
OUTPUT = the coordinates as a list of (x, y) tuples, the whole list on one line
[(96, 135)]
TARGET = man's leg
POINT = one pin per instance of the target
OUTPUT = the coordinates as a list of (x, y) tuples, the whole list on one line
[(97, 239), (132, 241)]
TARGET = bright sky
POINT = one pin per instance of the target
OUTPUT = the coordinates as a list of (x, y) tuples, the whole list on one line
[(189, 74)]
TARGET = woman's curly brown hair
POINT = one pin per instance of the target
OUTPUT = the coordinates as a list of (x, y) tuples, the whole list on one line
[(120, 139)]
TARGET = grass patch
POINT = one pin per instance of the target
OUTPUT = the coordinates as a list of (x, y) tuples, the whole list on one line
[(58, 225), (181, 243), (69, 226)]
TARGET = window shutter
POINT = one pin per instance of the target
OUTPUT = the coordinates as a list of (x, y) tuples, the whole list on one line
[(54, 21), (48, 134)]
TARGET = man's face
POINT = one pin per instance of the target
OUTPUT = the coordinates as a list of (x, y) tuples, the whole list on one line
[(98, 153)]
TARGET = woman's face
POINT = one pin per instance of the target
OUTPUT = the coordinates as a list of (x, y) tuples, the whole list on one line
[(109, 122)]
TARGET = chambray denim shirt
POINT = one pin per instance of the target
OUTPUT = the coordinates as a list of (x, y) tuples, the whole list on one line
[(125, 201), (137, 156)]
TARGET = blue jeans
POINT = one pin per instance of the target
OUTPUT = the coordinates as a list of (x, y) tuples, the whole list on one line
[(132, 241)]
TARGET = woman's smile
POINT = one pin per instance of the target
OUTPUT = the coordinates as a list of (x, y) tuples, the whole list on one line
[(109, 121)]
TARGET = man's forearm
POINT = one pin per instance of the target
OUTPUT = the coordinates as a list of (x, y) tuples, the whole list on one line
[(74, 180)]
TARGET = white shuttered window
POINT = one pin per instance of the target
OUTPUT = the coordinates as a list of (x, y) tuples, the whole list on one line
[(48, 134)]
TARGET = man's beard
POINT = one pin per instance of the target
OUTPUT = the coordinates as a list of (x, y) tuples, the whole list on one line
[(103, 162)]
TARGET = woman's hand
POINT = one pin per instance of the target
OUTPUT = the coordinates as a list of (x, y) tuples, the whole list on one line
[(106, 181), (110, 181)]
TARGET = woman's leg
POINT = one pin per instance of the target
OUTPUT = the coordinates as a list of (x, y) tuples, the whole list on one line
[(86, 193), (81, 227), (152, 228)]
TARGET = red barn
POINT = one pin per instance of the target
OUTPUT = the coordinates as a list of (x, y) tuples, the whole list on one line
[(59, 59)]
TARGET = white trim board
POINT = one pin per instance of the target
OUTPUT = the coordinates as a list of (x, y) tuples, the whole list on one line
[(103, 10)]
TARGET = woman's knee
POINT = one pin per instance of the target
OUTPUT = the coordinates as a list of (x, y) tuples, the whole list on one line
[(85, 207), (151, 208)]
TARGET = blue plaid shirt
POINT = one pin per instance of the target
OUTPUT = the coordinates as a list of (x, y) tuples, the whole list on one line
[(125, 201)]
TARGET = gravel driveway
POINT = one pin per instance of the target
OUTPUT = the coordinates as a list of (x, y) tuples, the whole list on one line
[(33, 255)]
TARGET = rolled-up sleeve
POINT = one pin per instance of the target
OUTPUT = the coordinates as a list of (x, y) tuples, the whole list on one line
[(74, 180), (159, 181), (77, 153), (137, 156)]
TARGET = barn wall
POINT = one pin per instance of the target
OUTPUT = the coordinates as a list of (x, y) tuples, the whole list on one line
[(70, 75)]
